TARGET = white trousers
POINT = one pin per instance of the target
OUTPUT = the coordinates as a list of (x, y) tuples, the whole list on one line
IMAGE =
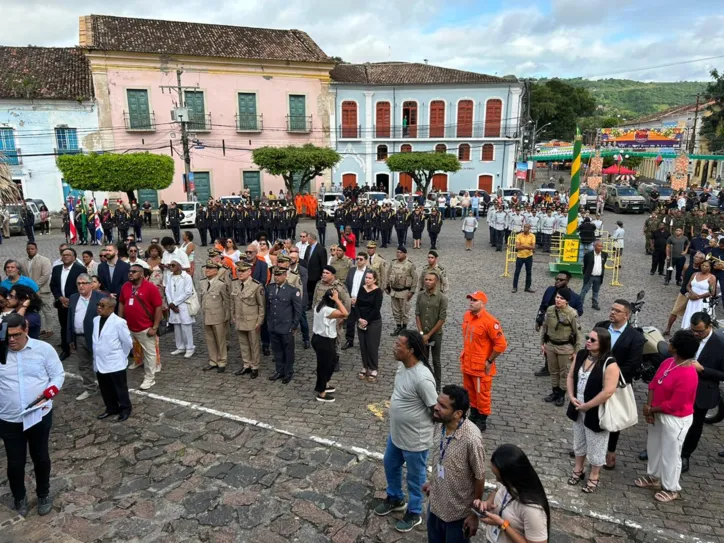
[(148, 344), (184, 336), (665, 440)]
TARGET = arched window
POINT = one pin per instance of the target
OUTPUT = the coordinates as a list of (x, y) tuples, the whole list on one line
[(441, 148), (409, 119), (406, 148), (349, 119), (382, 152), (488, 152), (493, 115), (464, 152)]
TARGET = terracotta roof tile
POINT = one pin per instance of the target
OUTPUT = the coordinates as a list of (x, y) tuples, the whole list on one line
[(179, 38), (408, 73), (53, 73)]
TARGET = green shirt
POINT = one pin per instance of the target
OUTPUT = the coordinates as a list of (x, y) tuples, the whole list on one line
[(431, 308)]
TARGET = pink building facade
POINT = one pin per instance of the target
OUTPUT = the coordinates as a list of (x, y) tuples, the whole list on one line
[(244, 88)]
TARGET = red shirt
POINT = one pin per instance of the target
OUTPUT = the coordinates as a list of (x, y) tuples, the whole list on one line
[(349, 246), (134, 300), (677, 392)]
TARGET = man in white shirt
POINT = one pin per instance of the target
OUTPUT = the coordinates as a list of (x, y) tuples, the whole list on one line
[(354, 282), (81, 312), (302, 244), (133, 257), (171, 251)]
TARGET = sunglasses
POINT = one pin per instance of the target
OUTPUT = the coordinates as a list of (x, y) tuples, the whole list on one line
[(592, 340), (360, 258)]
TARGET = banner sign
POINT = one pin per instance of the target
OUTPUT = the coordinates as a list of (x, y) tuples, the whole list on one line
[(570, 250), (641, 138)]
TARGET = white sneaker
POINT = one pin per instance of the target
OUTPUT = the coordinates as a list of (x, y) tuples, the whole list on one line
[(147, 384), (158, 368), (133, 365), (83, 396), (189, 354), (178, 351)]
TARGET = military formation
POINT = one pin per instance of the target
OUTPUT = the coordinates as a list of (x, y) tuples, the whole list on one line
[(691, 222)]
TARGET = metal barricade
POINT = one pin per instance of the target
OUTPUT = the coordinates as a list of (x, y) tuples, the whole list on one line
[(511, 254), (614, 261)]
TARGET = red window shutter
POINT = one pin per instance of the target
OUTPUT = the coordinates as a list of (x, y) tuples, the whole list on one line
[(439, 182), (485, 182), (349, 119), (441, 148), (382, 120), (493, 115), (437, 119), (406, 182), (464, 152), (465, 119), (349, 180), (488, 152), (406, 148)]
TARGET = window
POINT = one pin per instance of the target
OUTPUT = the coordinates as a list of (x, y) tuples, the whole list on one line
[(382, 152), (139, 112), (464, 152), (248, 119), (488, 152), (437, 119), (197, 113), (7, 147), (382, 120), (298, 121), (493, 114), (349, 119), (409, 119), (406, 148), (441, 148), (465, 119), (66, 140)]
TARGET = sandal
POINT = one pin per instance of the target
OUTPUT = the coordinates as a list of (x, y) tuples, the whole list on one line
[(591, 486), (666, 496), (362, 375), (576, 478), (372, 378), (647, 482)]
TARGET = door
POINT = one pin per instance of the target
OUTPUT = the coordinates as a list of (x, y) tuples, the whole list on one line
[(439, 182), (139, 116), (409, 119), (405, 182), (485, 182), (349, 180), (437, 119), (465, 119), (298, 112), (493, 114), (382, 120), (252, 181), (349, 119), (202, 186), (247, 111), (148, 195), (383, 182), (197, 113)]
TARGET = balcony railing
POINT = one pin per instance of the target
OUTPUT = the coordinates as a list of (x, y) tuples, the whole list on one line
[(11, 157), (299, 124), (349, 132), (475, 130), (249, 122), (199, 123), (139, 123)]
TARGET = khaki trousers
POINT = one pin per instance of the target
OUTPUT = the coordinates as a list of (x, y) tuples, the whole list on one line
[(215, 335), (148, 344), (250, 345), (558, 363), (401, 310), (46, 312)]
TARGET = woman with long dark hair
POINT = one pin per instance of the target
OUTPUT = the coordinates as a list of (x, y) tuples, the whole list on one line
[(324, 340), (369, 325), (518, 510), (25, 301), (592, 380)]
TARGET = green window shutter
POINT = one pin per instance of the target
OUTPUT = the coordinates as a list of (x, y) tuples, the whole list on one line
[(197, 113), (202, 186), (8, 152), (297, 113), (247, 111), (252, 181), (139, 114), (66, 140)]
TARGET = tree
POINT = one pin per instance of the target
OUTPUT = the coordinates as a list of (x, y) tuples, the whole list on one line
[(297, 165), (8, 189), (712, 125), (117, 173), (561, 105), (422, 166)]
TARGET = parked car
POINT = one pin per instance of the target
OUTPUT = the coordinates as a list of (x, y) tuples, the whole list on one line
[(508, 195), (624, 199), (591, 196), (329, 203), (234, 200), (189, 209), (13, 210), (379, 197)]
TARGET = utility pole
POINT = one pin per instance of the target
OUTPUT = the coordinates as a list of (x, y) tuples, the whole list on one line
[(182, 117), (692, 138)]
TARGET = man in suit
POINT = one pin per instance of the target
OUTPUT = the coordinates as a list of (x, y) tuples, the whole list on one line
[(627, 347), (354, 282), (710, 367), (38, 268), (594, 266), (81, 312), (113, 272), (63, 279), (315, 259)]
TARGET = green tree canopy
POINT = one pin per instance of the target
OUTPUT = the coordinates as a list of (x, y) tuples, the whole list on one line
[(712, 125), (559, 104), (422, 166), (296, 164)]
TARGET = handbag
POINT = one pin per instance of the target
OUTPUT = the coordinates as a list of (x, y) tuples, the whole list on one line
[(193, 301), (619, 411), (162, 326)]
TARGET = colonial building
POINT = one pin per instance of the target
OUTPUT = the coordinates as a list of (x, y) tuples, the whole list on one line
[(46, 108), (393, 107), (243, 88)]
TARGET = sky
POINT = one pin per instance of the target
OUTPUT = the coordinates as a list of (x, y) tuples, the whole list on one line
[(648, 41)]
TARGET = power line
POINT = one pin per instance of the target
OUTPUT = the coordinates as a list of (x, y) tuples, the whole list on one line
[(692, 61)]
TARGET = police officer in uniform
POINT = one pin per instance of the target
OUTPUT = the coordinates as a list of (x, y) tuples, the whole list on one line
[(321, 222), (386, 220), (500, 219), (434, 225), (284, 309), (298, 279), (401, 222), (248, 308), (215, 222), (433, 266), (202, 224), (137, 221), (175, 215), (240, 225), (341, 262), (122, 222), (215, 308), (547, 225), (402, 281), (377, 263)]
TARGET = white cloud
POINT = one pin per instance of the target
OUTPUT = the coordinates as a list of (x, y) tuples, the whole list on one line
[(563, 38)]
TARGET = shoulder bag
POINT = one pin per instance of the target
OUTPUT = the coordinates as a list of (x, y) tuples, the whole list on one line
[(162, 326), (193, 301), (619, 411)]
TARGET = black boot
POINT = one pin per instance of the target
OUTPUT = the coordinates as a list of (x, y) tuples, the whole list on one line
[(552, 397), (474, 416), (482, 423), (543, 372), (561, 399), (396, 330)]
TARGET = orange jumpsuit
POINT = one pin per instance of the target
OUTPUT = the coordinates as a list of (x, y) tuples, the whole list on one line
[(482, 335), (298, 204), (311, 206)]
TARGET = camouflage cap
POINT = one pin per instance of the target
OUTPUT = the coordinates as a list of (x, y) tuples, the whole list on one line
[(212, 264)]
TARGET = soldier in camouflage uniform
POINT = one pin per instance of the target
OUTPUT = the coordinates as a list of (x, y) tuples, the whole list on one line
[(651, 224), (433, 266)]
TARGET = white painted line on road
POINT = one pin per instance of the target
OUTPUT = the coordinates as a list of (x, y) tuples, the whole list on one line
[(359, 451)]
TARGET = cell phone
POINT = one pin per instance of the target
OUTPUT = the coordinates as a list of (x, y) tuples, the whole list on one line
[(479, 514)]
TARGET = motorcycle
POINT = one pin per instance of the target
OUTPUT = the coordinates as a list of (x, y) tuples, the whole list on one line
[(656, 348)]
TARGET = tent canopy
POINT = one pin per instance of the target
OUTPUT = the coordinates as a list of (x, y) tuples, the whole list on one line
[(617, 170)]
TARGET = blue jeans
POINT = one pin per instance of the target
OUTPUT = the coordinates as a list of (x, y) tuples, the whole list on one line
[(476, 212), (416, 461), (595, 281), (439, 531)]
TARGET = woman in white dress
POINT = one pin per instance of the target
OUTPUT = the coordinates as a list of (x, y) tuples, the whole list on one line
[(179, 290), (701, 285)]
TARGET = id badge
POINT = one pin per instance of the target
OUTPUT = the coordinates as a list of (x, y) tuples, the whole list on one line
[(441, 471), (494, 534), (130, 301)]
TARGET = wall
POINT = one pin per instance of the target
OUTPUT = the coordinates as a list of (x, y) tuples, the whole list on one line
[(34, 122), (359, 154), (220, 80)]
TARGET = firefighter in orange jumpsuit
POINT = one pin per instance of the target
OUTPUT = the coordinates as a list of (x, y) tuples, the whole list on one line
[(298, 204), (483, 342), (311, 205)]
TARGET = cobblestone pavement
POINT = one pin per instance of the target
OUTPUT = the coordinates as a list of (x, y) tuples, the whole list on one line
[(357, 421)]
